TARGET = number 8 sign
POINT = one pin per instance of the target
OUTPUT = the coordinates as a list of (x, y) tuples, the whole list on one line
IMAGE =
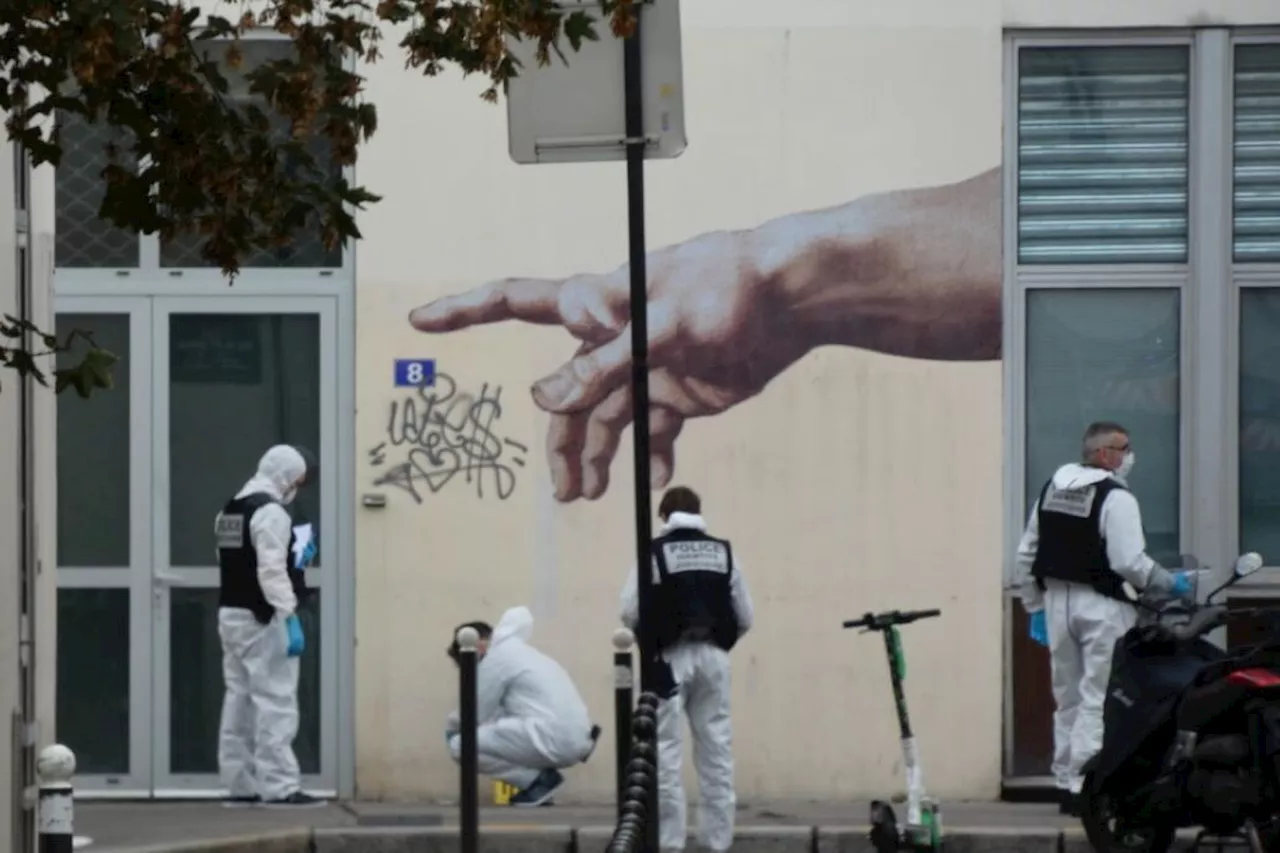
[(415, 372)]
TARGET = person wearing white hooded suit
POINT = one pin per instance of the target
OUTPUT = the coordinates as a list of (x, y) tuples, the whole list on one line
[(1083, 541), (261, 635), (702, 608), (531, 720)]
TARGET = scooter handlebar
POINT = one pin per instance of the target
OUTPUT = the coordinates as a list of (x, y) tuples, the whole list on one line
[(880, 621), (1202, 621)]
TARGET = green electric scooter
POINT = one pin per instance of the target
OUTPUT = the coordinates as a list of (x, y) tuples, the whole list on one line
[(923, 829)]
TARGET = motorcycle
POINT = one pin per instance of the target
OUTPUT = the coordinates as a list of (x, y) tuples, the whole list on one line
[(1191, 733)]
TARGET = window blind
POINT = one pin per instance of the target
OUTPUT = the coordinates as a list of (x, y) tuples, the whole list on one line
[(1256, 168), (1102, 154)]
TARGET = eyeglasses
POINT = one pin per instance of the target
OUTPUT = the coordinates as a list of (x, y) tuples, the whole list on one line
[(1124, 448)]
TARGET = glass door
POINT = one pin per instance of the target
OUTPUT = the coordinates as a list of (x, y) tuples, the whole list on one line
[(231, 377), (104, 551)]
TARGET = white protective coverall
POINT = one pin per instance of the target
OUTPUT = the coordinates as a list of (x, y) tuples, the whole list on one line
[(702, 672), (260, 708), (1083, 624), (530, 715)]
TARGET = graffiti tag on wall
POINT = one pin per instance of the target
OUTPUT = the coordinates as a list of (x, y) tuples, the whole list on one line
[(436, 435)]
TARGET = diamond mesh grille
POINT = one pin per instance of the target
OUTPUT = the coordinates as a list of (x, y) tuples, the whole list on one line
[(83, 239)]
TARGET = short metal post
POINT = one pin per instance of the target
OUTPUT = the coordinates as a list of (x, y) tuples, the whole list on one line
[(56, 766), (468, 640), (649, 705), (624, 685)]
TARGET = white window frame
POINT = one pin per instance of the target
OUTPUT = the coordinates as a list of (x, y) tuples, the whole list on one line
[(150, 279), (1208, 392), (1240, 276), (1021, 278)]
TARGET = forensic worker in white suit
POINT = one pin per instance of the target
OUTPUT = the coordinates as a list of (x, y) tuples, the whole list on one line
[(261, 634), (531, 720), (701, 609)]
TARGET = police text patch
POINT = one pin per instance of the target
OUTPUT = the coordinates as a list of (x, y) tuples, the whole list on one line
[(1073, 502), (229, 530), (696, 556)]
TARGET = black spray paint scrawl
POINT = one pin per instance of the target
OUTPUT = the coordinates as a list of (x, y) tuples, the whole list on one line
[(443, 433)]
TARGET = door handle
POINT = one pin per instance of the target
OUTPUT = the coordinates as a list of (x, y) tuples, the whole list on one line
[(161, 579)]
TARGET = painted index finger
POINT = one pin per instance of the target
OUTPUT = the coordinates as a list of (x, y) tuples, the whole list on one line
[(533, 300)]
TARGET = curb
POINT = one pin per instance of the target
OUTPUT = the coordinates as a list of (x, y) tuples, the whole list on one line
[(589, 839), (274, 841)]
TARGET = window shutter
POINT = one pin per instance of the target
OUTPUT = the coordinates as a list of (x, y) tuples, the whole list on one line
[(1257, 153), (1102, 155)]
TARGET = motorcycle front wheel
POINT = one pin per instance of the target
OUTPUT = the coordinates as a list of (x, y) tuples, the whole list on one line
[(1106, 836)]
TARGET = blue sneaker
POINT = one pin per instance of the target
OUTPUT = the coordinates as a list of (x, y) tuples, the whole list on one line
[(540, 792)]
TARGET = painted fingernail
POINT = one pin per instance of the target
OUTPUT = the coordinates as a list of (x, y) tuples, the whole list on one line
[(556, 392), (425, 314), (659, 474), (559, 476), (594, 482)]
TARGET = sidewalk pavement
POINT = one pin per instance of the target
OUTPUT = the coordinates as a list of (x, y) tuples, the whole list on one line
[(357, 827)]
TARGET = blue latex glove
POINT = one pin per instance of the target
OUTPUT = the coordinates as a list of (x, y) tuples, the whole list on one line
[(297, 643), (1183, 586), (1039, 628)]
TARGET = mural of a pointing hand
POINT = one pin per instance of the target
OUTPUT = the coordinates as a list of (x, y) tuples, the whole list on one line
[(914, 273)]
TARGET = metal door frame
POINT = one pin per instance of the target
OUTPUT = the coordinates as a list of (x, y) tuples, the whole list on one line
[(164, 783), (136, 577)]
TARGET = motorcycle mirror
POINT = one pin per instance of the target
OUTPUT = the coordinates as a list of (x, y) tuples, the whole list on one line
[(1248, 563)]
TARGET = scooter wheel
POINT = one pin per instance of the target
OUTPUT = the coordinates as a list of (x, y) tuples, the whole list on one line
[(884, 828), (1105, 835)]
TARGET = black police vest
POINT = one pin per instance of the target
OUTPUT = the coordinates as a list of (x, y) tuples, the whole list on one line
[(1072, 547), (693, 600), (238, 559)]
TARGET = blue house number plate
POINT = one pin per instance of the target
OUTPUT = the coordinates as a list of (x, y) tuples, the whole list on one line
[(415, 372)]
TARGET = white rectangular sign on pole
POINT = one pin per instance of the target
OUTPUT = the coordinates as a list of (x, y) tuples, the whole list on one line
[(574, 113)]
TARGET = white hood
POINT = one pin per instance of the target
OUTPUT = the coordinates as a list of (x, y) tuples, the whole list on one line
[(279, 471), (1076, 476), (516, 680), (683, 521), (516, 622)]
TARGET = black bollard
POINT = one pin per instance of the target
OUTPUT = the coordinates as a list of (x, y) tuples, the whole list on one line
[(468, 640), (648, 710), (55, 767), (636, 831), (623, 697)]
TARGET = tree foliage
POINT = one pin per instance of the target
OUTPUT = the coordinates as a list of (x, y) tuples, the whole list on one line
[(244, 174)]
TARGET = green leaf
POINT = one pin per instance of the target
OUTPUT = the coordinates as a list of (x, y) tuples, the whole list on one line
[(97, 365)]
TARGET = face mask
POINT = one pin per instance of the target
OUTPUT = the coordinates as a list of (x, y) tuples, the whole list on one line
[(289, 494), (1126, 465)]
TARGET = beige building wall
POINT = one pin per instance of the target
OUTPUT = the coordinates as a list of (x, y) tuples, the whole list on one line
[(853, 480), (826, 270)]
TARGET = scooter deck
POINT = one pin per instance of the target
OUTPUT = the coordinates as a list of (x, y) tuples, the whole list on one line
[(920, 837), (887, 835)]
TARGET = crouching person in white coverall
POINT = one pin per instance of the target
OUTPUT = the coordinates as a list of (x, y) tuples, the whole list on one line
[(1083, 541), (701, 609), (261, 635), (531, 720)]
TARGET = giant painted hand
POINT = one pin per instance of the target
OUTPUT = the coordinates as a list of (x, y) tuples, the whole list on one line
[(913, 273)]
